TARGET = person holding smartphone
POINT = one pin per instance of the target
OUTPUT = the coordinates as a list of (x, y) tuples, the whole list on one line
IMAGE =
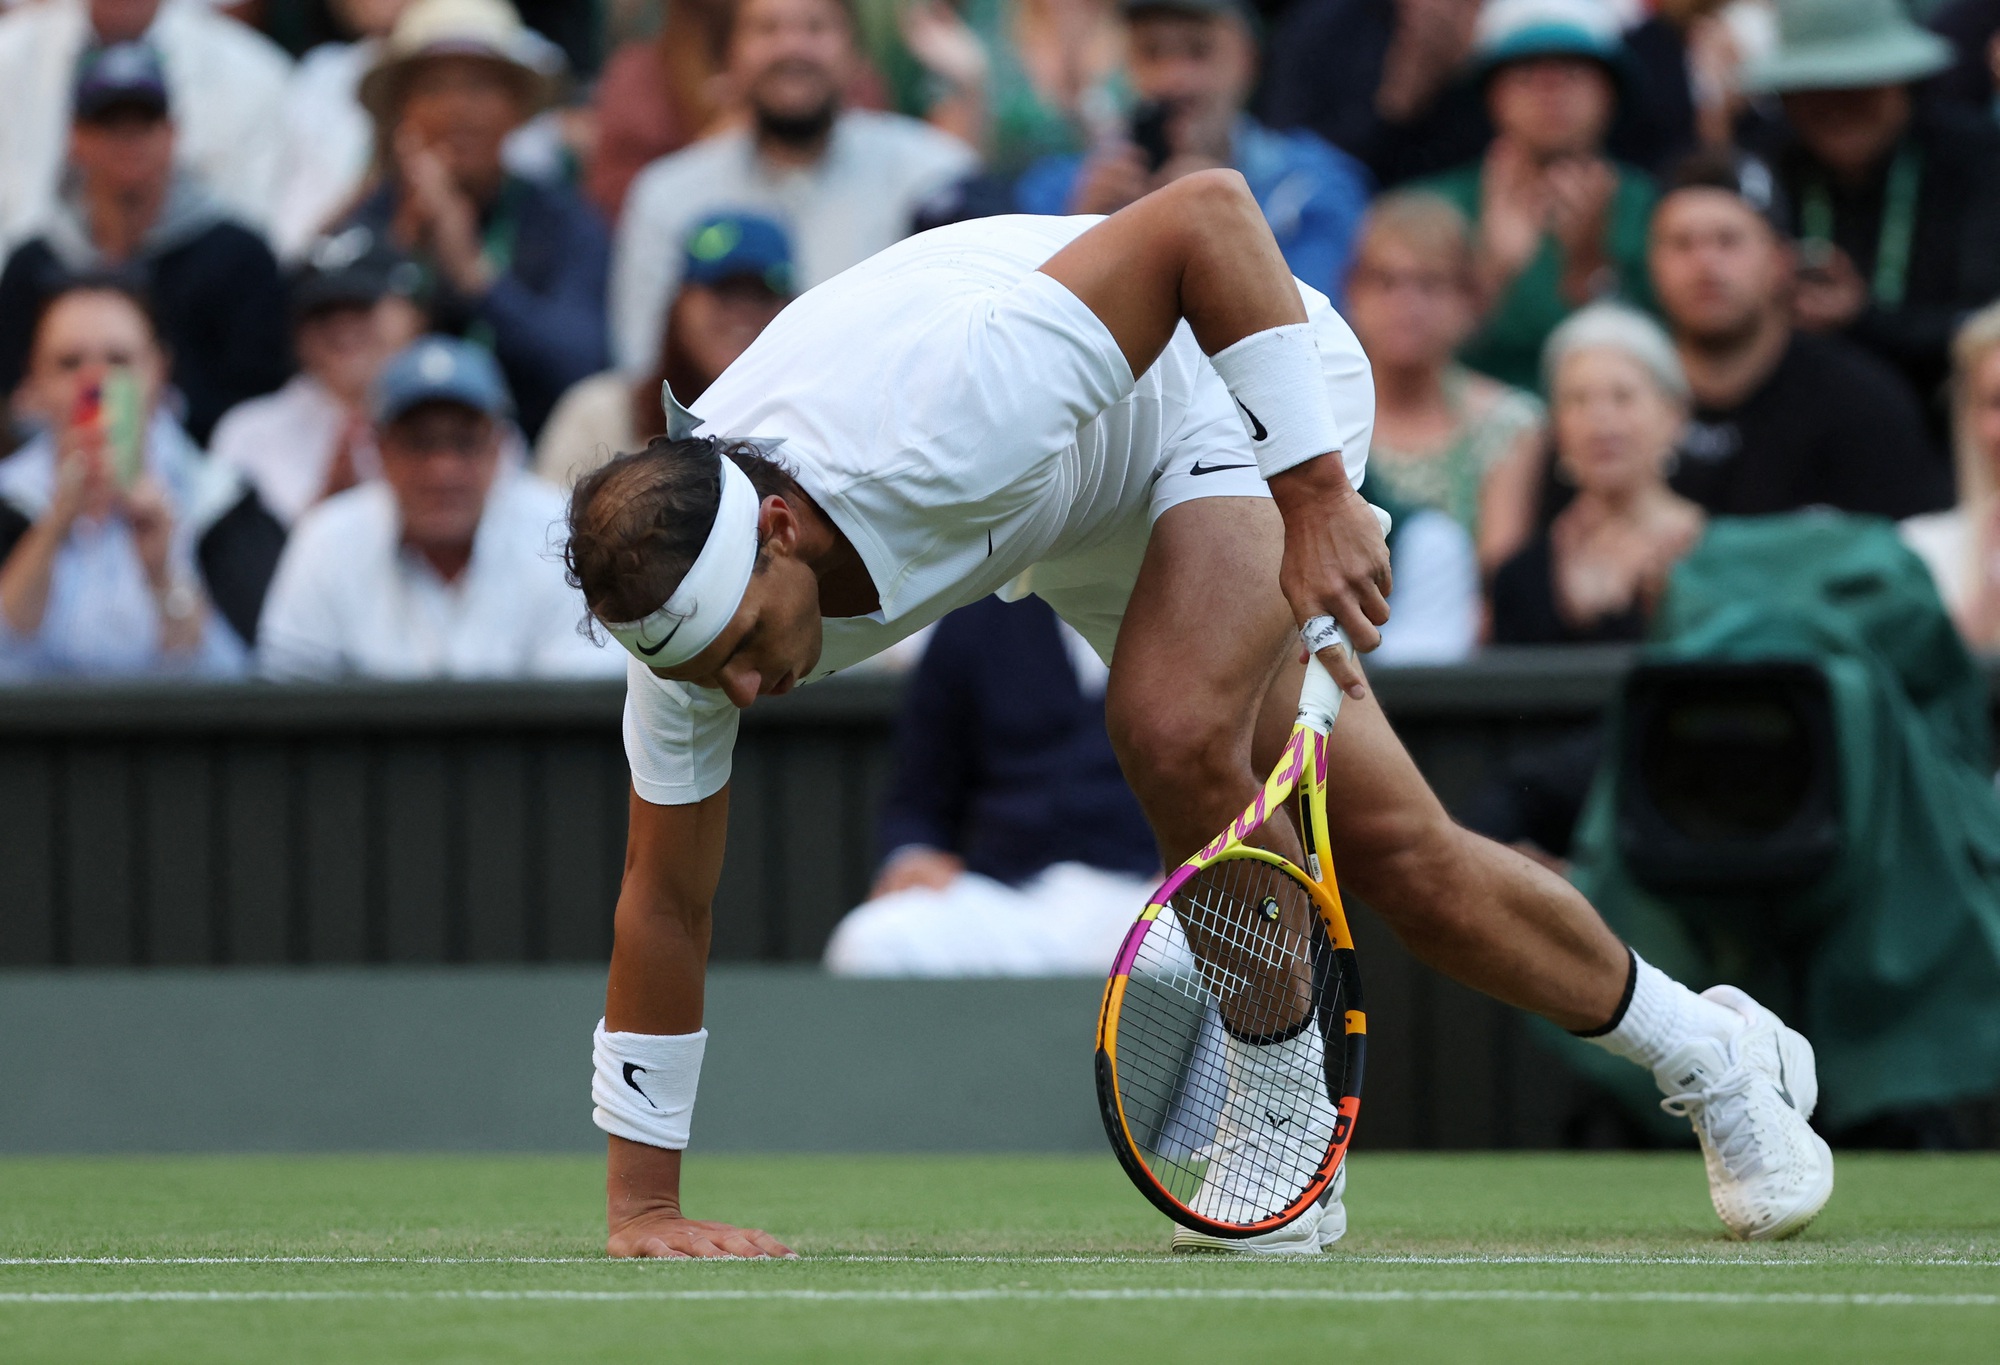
[(1192, 65), (117, 539)]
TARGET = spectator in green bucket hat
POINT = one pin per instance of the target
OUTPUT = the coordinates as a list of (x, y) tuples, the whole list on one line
[(1896, 204)]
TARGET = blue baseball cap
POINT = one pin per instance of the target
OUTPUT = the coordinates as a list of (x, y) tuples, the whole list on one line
[(734, 246), (438, 369), (119, 76)]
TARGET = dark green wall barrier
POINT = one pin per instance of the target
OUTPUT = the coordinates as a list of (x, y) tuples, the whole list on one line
[(485, 823)]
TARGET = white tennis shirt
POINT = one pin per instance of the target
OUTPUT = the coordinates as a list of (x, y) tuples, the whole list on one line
[(964, 419)]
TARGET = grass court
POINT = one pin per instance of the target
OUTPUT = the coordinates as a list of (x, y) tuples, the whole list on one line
[(1533, 1258)]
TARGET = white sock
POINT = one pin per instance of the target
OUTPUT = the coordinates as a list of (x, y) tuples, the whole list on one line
[(1661, 1016)]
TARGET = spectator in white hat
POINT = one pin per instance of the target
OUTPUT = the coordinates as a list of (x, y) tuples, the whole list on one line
[(514, 264)]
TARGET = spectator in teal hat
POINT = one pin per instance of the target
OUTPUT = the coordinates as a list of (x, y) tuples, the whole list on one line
[(1558, 223), (1897, 204), (736, 274)]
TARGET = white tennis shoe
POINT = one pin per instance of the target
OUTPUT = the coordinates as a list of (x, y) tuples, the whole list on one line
[(1313, 1231), (1272, 1133), (1748, 1098)]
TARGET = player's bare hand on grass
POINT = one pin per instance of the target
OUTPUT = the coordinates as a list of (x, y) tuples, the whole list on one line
[(1336, 561), (668, 1236)]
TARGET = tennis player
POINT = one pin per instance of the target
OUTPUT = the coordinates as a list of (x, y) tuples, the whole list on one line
[(1146, 421)]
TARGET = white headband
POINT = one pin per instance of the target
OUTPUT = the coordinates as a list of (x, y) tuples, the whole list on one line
[(713, 589)]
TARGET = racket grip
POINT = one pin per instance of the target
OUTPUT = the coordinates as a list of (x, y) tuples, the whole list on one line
[(1319, 699)]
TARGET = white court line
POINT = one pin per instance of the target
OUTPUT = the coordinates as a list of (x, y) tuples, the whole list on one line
[(923, 1296), (1819, 1262)]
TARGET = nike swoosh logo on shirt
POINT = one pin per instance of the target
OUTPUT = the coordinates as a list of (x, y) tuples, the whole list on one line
[(1201, 469), (649, 653), (1257, 432)]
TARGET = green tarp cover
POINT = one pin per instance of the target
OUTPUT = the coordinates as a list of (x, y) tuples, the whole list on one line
[(1895, 971)]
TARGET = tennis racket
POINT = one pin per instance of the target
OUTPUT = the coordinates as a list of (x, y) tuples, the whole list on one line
[(1230, 1043)]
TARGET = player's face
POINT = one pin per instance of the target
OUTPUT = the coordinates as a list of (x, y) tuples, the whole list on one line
[(1554, 106), (1615, 427), (1717, 266), (772, 641)]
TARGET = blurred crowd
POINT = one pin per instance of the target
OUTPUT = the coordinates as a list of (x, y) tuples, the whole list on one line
[(310, 310)]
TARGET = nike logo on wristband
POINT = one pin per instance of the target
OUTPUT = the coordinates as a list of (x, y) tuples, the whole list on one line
[(631, 1070), (1201, 469), (1257, 431), (649, 653)]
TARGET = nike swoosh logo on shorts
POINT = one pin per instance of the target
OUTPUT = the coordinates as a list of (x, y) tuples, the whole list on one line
[(649, 653), (1200, 468), (1257, 432)]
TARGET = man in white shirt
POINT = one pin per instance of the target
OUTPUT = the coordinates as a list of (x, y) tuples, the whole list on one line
[(442, 568), (1148, 423), (844, 183), (315, 437), (229, 91)]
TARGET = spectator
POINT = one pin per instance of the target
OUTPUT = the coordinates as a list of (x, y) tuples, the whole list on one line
[(126, 207), (1619, 402), (1012, 845), (1899, 209), (329, 141), (1961, 547), (844, 183), (1687, 69), (1445, 438), (119, 543), (313, 438), (658, 94), (228, 82), (1379, 79), (1973, 82), (444, 567), (735, 277), (1020, 79), (1558, 224), (1192, 64), (1782, 419), (514, 264)]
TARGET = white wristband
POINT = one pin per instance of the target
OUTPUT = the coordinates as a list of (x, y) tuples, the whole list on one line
[(1279, 386), (643, 1084)]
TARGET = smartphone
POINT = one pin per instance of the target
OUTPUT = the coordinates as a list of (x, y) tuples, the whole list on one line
[(124, 426), (1149, 132)]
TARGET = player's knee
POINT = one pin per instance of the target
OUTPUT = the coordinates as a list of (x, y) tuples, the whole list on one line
[(1173, 757), (1207, 198)]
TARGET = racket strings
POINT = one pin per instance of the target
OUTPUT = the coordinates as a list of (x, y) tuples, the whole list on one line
[(1227, 1042)]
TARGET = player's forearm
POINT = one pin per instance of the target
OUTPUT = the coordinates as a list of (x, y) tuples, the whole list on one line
[(659, 959)]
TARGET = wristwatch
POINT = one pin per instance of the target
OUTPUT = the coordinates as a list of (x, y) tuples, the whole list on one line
[(180, 601)]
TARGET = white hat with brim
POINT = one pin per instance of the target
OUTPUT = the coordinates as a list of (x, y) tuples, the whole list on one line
[(487, 30), (1845, 45)]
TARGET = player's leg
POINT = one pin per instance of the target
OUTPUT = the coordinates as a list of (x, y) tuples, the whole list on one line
[(1205, 621)]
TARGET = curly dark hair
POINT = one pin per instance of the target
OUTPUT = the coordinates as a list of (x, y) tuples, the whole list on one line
[(637, 523)]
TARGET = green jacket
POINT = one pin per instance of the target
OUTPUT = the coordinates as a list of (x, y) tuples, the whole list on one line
[(1509, 346), (1900, 937)]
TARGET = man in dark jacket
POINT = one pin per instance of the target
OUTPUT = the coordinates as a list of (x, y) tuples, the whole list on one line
[(1897, 207), (125, 210), (515, 266), (1011, 844)]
